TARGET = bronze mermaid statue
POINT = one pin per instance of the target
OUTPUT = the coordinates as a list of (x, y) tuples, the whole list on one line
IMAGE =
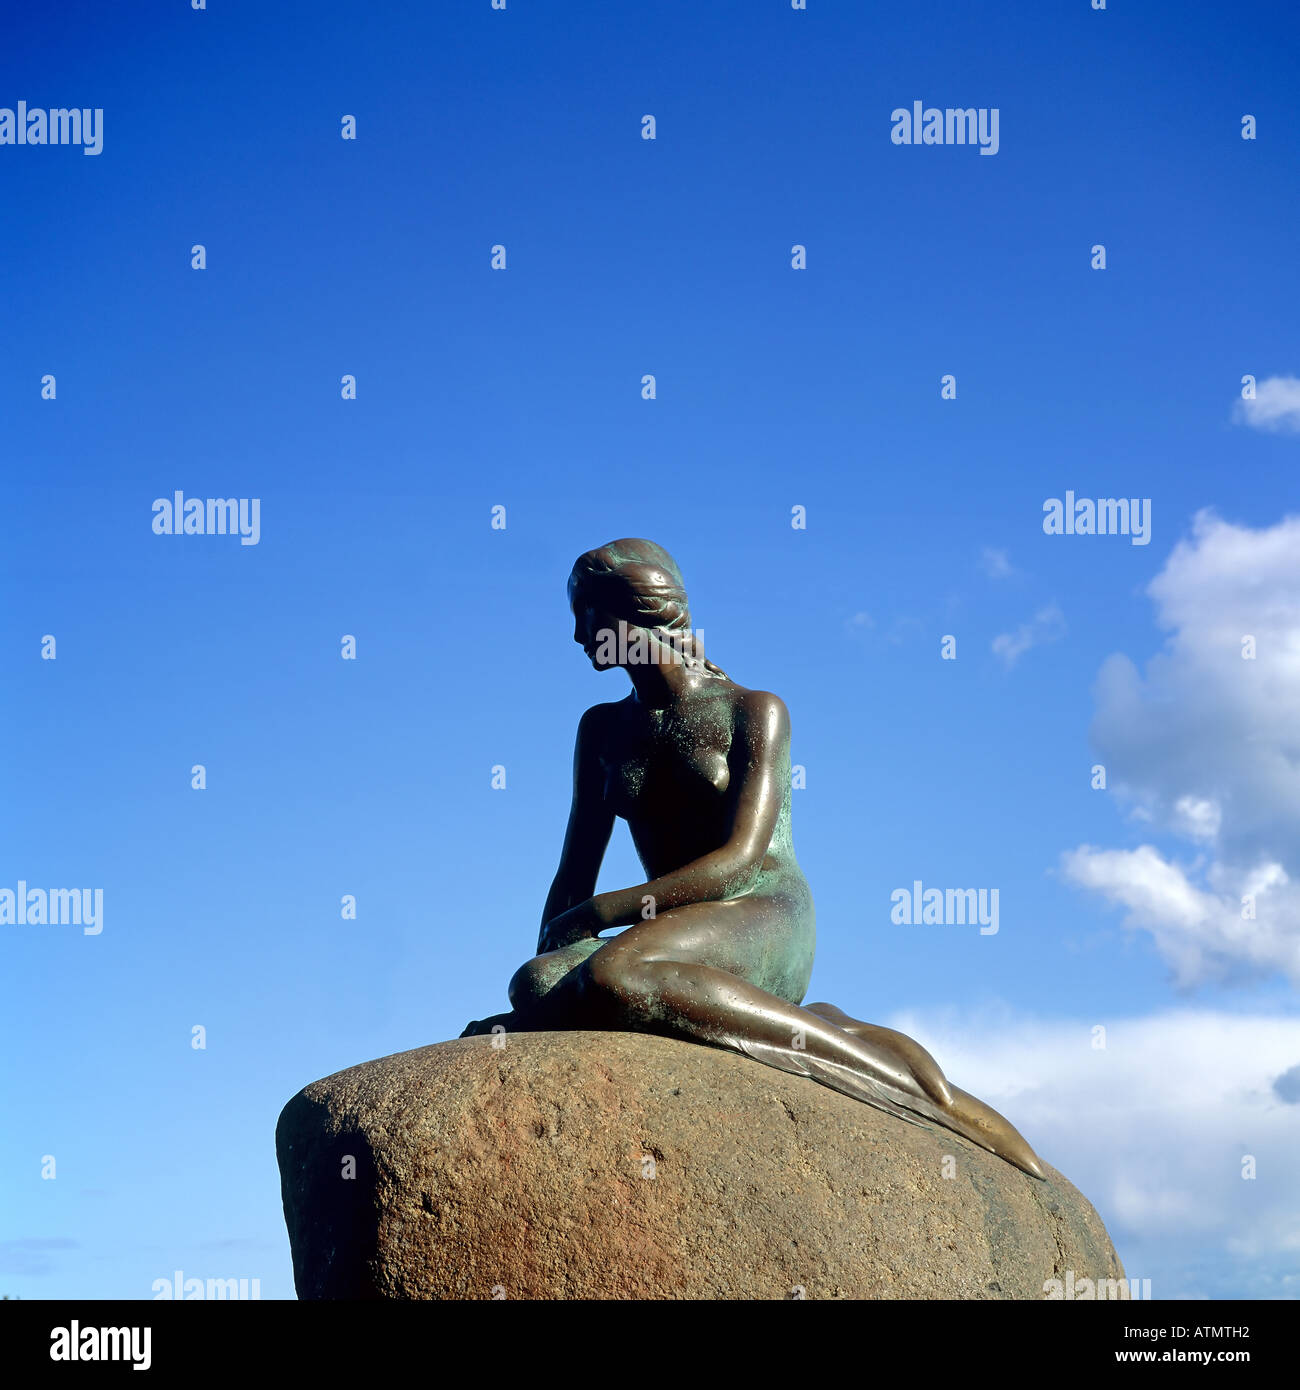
[(718, 942)]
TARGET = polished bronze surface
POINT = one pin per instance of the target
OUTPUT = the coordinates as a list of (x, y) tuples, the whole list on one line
[(718, 942)]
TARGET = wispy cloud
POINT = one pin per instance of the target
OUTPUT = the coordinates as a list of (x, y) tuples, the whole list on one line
[(1047, 625), (1276, 406), (995, 564), (30, 1256)]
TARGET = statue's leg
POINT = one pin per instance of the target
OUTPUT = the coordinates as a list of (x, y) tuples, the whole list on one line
[(688, 973), (532, 988), (480, 1026), (542, 987)]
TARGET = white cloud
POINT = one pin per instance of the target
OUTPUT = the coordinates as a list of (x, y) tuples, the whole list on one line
[(1276, 406), (1047, 625), (995, 563), (1153, 1129), (1206, 746), (1198, 818), (1201, 934)]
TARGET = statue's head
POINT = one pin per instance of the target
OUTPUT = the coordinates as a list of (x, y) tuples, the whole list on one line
[(635, 583)]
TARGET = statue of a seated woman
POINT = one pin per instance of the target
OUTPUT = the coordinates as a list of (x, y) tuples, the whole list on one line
[(718, 946)]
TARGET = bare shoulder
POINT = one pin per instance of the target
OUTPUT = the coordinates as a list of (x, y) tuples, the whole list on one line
[(596, 721), (762, 714)]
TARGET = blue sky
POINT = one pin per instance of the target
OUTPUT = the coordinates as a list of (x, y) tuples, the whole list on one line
[(776, 388)]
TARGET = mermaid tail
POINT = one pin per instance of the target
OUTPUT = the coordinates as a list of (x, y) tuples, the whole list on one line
[(962, 1113), (922, 1066)]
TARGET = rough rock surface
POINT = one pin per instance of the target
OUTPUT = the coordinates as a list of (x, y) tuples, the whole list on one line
[(616, 1165)]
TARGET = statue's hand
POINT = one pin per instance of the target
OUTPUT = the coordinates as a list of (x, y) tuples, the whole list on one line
[(579, 923)]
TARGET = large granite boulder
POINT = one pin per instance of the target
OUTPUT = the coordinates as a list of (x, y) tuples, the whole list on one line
[(618, 1165)]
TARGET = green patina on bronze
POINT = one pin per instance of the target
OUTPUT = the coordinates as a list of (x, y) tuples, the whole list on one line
[(718, 942)]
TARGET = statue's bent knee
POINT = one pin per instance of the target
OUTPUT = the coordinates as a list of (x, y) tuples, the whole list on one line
[(526, 985), (607, 971)]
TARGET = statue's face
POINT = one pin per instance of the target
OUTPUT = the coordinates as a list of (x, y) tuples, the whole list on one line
[(596, 631)]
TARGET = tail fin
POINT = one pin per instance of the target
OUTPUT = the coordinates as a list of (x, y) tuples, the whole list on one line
[(970, 1118)]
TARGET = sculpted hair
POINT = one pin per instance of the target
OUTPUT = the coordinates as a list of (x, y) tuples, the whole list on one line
[(639, 582)]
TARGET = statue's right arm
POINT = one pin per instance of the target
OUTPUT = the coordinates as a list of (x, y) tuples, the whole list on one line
[(590, 822)]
